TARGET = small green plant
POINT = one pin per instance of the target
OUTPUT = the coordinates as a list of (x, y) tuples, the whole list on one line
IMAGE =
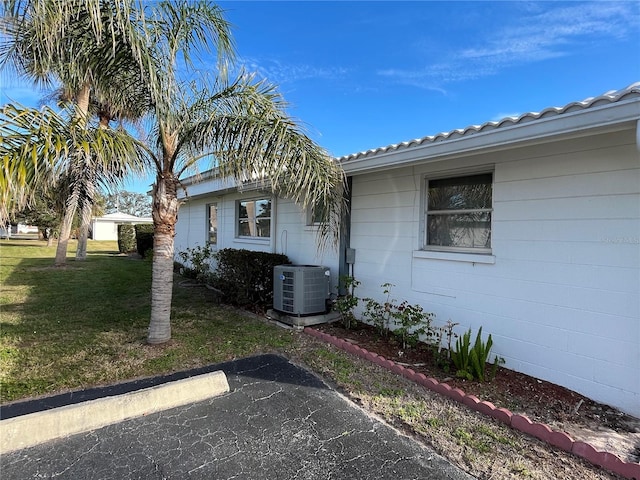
[(493, 433), (471, 361), (480, 355), (441, 354), (411, 322), (346, 303), (520, 469), (391, 392), (434, 422), (197, 262), (461, 356), (407, 322), (380, 313), (497, 361), (470, 439), (411, 411)]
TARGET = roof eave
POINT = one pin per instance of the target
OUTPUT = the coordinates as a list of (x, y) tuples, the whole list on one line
[(610, 117), (204, 189)]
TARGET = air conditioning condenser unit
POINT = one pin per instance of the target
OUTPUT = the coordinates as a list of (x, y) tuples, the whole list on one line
[(300, 289)]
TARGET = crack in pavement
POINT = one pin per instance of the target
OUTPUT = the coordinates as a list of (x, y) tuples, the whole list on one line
[(277, 422)]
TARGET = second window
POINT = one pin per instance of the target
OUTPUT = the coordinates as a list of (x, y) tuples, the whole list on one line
[(458, 213), (254, 218)]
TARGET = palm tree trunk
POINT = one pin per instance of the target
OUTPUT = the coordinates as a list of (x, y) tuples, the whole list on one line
[(82, 103), (165, 215), (82, 108), (89, 190), (88, 200), (65, 230), (81, 251)]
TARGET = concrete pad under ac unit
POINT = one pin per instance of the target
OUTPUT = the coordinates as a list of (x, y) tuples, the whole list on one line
[(304, 321)]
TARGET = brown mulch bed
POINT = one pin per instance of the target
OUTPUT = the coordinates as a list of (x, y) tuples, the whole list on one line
[(606, 428)]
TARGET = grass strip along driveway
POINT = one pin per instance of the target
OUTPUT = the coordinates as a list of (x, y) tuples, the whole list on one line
[(85, 325)]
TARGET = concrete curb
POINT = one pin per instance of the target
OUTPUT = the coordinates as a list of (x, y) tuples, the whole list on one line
[(561, 440), (39, 427)]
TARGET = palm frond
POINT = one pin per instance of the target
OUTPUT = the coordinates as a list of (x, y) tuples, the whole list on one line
[(37, 145), (243, 127), (189, 27)]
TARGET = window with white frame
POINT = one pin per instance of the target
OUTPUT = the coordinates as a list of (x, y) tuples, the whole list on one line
[(254, 218), (458, 213), (212, 214), (315, 214)]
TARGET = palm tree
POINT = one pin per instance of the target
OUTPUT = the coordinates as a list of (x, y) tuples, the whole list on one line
[(78, 44), (240, 126), (243, 128), (112, 174), (29, 139), (40, 149)]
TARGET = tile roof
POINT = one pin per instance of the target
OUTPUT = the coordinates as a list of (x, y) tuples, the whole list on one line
[(613, 96)]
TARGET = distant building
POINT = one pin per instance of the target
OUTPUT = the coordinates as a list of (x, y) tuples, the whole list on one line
[(106, 227), (23, 228)]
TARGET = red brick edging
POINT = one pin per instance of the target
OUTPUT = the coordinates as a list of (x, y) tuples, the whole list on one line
[(561, 440)]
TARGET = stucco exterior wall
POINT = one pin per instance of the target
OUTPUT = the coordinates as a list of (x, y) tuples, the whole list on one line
[(290, 234), (561, 294), (104, 230), (106, 227)]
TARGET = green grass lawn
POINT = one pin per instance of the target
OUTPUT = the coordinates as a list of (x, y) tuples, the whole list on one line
[(85, 324)]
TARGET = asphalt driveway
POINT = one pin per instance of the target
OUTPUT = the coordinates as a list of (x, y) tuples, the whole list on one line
[(278, 421)]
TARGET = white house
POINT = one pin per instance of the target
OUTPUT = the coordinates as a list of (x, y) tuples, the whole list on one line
[(219, 213), (528, 227), (21, 228), (106, 227)]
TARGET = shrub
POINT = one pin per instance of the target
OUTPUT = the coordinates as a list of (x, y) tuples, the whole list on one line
[(441, 353), (411, 322), (246, 277), (144, 239), (126, 238), (408, 322), (197, 262), (377, 313), (347, 302)]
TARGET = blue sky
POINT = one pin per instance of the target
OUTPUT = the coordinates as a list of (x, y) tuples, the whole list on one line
[(360, 75)]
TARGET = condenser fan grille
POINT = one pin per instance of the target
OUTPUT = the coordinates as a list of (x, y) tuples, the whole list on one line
[(288, 291)]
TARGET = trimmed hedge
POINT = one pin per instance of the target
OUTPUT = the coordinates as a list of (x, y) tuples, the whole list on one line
[(126, 238), (246, 277), (144, 239)]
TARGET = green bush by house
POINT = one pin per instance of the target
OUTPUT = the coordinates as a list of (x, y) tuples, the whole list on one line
[(144, 239), (126, 238), (246, 277)]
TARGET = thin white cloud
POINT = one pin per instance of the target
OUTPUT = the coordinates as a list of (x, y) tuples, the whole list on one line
[(540, 34), (281, 73), (552, 33)]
